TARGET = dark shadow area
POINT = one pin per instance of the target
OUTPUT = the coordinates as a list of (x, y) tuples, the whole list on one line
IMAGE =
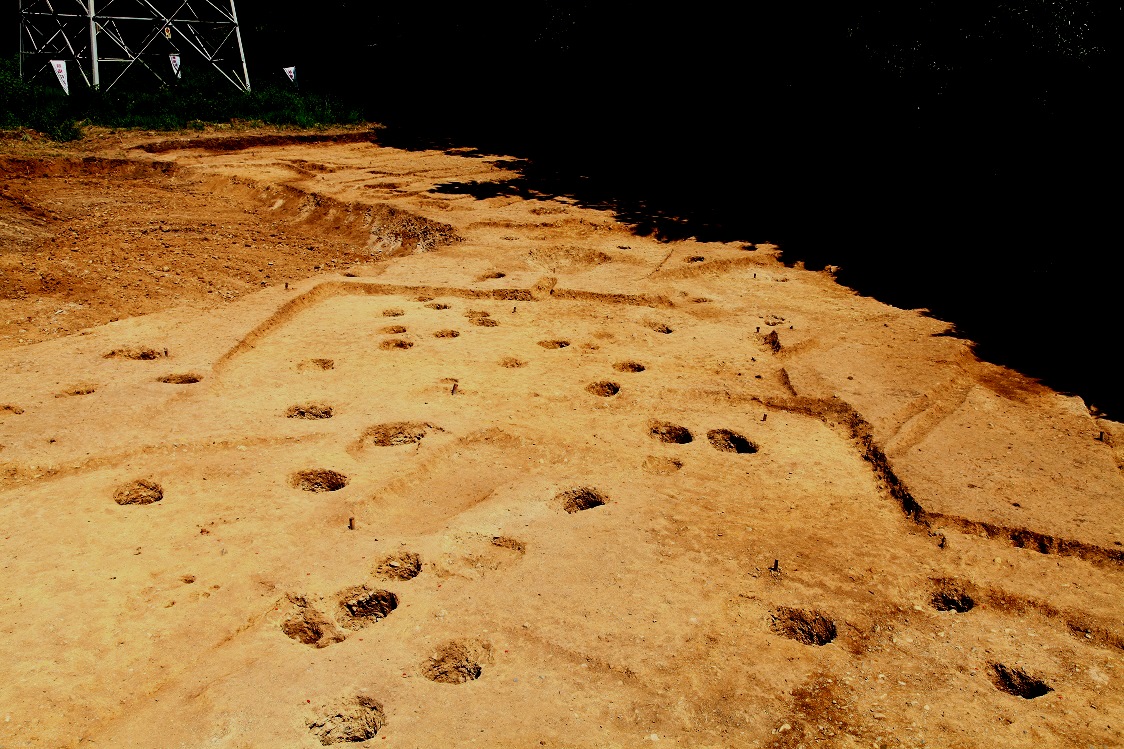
[(960, 157)]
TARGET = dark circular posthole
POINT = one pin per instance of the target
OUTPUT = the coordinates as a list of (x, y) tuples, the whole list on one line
[(361, 605), (808, 627), (659, 327), (731, 442), (582, 498), (318, 480), (354, 720), (605, 388), (456, 662), (629, 366), (1017, 682), (670, 433), (309, 411)]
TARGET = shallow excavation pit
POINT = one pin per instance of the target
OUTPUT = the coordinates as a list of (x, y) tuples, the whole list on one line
[(605, 389), (554, 344), (359, 718), (309, 626), (456, 662), (318, 480), (446, 334), (183, 378), (1017, 682), (136, 354), (807, 627), (950, 596), (405, 565), (629, 366), (361, 605), (393, 330), (395, 343), (309, 411), (730, 442), (672, 434), (582, 498), (395, 433), (322, 364)]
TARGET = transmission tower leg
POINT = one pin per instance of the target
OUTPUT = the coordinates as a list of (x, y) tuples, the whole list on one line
[(94, 72), (241, 52)]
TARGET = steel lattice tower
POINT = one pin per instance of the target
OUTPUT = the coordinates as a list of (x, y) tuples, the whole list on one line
[(106, 42)]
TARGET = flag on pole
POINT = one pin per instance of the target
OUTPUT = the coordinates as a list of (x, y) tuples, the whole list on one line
[(60, 71), (175, 60), (292, 73)]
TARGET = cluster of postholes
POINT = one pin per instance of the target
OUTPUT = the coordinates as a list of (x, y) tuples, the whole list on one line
[(459, 661), (811, 627), (720, 439)]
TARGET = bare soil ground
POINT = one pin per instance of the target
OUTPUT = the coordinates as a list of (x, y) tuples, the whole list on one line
[(295, 451)]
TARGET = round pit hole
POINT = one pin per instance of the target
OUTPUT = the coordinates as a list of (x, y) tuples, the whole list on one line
[(582, 498), (457, 662), (1017, 682), (730, 442), (673, 434), (361, 605), (629, 366), (605, 389), (808, 627), (318, 480)]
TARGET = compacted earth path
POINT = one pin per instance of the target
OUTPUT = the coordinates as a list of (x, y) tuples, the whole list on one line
[(300, 445)]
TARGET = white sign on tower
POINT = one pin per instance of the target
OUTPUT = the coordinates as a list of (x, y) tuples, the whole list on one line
[(292, 73), (60, 71), (175, 60)]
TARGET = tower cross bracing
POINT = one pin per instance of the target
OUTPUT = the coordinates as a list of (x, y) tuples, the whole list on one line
[(107, 39)]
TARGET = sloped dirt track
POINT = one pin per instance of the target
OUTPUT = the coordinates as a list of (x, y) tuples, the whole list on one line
[(800, 518)]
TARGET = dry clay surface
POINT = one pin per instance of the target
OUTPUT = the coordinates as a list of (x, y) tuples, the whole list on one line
[(500, 472)]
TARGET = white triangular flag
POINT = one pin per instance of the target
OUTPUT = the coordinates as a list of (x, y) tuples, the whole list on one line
[(60, 71), (175, 60), (292, 73)]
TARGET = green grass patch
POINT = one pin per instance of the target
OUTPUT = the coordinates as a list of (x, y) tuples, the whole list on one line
[(192, 103)]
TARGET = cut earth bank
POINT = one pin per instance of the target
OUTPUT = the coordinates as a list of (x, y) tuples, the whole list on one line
[(296, 449)]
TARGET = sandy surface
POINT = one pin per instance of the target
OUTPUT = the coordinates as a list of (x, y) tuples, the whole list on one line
[(569, 486)]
